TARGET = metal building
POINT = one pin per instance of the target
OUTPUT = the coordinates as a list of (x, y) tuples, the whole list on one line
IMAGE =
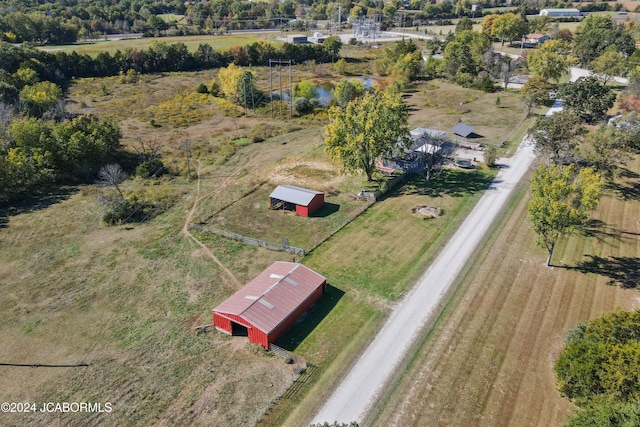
[(270, 303), (304, 201)]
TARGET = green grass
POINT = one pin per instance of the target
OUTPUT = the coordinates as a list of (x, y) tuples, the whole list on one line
[(488, 355), (371, 263), (219, 43), (123, 299)]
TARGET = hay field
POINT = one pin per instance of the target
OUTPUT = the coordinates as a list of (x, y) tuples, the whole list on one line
[(489, 361)]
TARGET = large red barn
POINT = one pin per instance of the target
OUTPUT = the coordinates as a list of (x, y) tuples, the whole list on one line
[(304, 201), (266, 306)]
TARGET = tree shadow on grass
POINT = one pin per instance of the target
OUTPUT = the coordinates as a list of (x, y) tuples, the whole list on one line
[(311, 319), (603, 232), (621, 271), (450, 182), (629, 188), (326, 210), (34, 204)]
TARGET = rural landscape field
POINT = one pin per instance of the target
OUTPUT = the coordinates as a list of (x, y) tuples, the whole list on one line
[(120, 312)]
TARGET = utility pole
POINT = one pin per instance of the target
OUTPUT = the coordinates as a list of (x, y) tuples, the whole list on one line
[(186, 144), (280, 63)]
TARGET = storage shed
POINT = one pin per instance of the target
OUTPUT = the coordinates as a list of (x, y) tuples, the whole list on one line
[(269, 304), (304, 201), (462, 130)]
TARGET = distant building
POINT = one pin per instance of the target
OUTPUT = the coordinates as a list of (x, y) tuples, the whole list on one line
[(297, 39), (560, 13), (317, 38), (534, 38)]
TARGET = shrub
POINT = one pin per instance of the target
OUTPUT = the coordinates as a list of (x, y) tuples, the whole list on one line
[(490, 156), (202, 88), (304, 105), (120, 211), (215, 89), (152, 168)]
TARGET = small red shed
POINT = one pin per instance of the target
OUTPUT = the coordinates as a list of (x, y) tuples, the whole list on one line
[(269, 304), (304, 201)]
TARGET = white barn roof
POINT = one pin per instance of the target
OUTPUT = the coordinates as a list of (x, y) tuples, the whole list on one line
[(292, 194)]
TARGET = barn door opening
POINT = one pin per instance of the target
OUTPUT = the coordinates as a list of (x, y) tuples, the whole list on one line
[(238, 330)]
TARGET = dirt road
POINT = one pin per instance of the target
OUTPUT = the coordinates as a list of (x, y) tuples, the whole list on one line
[(359, 389)]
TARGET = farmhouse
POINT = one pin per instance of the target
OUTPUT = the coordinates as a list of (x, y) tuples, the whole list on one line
[(560, 13), (270, 303), (424, 140), (304, 201), (422, 136)]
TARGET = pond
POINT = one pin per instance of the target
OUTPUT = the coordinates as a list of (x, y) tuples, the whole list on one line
[(324, 92)]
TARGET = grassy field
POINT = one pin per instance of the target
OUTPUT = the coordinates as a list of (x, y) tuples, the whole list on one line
[(124, 300), (489, 360), (223, 42)]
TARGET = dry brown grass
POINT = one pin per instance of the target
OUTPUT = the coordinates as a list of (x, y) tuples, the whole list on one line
[(489, 361), (437, 105), (124, 299)]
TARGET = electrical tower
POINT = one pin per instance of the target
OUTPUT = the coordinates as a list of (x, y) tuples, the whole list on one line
[(279, 63)]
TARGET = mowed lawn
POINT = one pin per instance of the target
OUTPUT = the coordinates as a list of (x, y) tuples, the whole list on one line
[(371, 263), (489, 360)]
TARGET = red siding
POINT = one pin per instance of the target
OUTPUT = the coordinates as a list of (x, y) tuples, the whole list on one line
[(302, 308), (221, 323), (316, 203), (302, 210)]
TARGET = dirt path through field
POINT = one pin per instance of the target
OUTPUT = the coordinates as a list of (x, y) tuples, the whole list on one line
[(185, 230)]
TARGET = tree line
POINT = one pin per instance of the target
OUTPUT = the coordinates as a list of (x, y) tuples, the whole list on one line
[(61, 67), (64, 22)]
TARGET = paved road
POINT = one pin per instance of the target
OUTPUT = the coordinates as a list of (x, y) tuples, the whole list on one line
[(354, 396)]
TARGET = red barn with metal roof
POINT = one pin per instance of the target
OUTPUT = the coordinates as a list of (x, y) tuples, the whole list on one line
[(266, 306), (304, 201)]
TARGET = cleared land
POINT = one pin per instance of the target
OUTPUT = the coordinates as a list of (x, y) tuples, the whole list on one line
[(489, 360), (125, 299)]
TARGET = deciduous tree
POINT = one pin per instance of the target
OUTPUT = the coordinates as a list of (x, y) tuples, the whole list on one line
[(509, 26), (560, 201), (36, 99), (608, 65), (332, 46), (597, 34), (557, 136), (535, 92), (546, 64), (588, 98), (371, 126), (346, 90)]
